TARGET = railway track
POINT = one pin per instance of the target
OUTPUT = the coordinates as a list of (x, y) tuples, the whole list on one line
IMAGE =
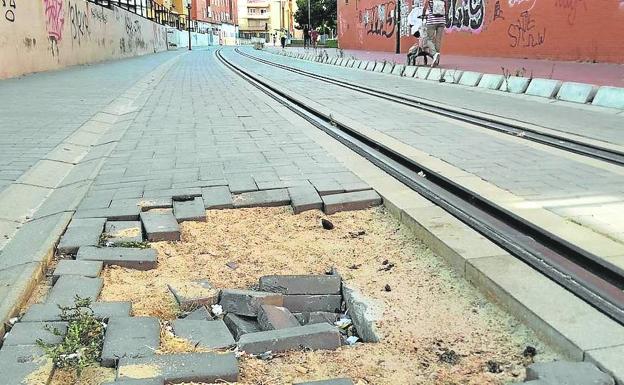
[(598, 282), (560, 142)]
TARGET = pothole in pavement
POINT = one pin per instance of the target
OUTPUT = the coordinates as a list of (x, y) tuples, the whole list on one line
[(265, 268)]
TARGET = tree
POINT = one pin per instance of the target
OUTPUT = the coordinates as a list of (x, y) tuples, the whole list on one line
[(323, 13)]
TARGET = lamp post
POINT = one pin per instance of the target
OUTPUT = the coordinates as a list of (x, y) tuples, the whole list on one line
[(189, 6), (397, 13), (309, 18)]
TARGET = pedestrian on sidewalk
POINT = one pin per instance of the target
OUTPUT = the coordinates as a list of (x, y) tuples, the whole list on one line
[(418, 29), (314, 37), (435, 12), (306, 36), (283, 40)]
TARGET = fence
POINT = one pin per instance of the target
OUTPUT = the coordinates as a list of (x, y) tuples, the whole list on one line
[(148, 9)]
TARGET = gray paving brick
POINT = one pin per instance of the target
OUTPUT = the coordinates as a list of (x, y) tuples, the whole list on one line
[(301, 284), (128, 257), (27, 333), (192, 294), (160, 225), (77, 236), (315, 337), (201, 313), (68, 287), (208, 334), (350, 201), (264, 198), (130, 337), (240, 325), (565, 372), (332, 381), (316, 317), (123, 231), (310, 303), (327, 186), (247, 302), (240, 183), (304, 198), (90, 269), (18, 363), (217, 197), (40, 312), (191, 210), (178, 368), (275, 317), (117, 213)]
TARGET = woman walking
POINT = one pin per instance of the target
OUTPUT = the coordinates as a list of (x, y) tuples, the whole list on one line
[(435, 12)]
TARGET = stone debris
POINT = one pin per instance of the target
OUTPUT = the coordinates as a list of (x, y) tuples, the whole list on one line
[(240, 325), (312, 303), (178, 368), (42, 312), (128, 257), (27, 333), (130, 337), (327, 225), (89, 269), (190, 210), (193, 294), (123, 232), (316, 317), (314, 337), (247, 302), (160, 225), (569, 373), (301, 284), (276, 317), (207, 334), (201, 313)]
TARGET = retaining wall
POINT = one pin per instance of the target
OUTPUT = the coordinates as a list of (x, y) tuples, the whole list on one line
[(587, 30), (40, 35)]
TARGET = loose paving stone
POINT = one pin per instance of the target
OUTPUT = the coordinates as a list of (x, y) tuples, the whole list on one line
[(208, 334), (40, 312), (316, 317), (19, 363), (67, 287), (276, 317), (333, 381), (123, 232), (310, 303), (192, 210), (201, 313), (77, 236), (143, 381), (263, 198), (177, 368), (27, 333), (358, 200), (317, 336), (130, 337), (364, 312), (240, 325), (160, 225), (89, 269), (247, 302), (115, 213), (128, 257), (569, 373), (301, 284), (304, 198), (240, 183), (193, 294), (217, 197), (327, 186)]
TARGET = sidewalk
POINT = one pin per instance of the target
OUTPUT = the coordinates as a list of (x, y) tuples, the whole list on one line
[(602, 74)]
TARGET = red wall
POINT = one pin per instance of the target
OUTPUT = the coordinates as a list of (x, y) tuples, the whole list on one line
[(588, 30)]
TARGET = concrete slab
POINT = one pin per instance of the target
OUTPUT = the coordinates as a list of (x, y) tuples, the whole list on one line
[(546, 88), (314, 337), (470, 78), (491, 81), (160, 225), (452, 76), (565, 372), (422, 72), (45, 173), (365, 313), (515, 84), (310, 303), (27, 333), (18, 202), (247, 302), (370, 66), (78, 236), (240, 325), (18, 365), (128, 257), (123, 232), (609, 97), (130, 337), (577, 92), (67, 287), (304, 198), (191, 210), (89, 269), (379, 66), (388, 68), (609, 360), (398, 69), (276, 317), (181, 368), (358, 200), (409, 71), (435, 74), (217, 197), (301, 284), (207, 334), (264, 198), (41, 312)]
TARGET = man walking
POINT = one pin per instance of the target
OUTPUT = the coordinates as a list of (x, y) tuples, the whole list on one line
[(435, 11), (306, 36)]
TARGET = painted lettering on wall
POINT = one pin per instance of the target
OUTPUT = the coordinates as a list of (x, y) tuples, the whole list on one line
[(528, 3), (467, 15), (79, 23), (524, 32), (9, 7), (379, 20), (55, 18), (571, 7)]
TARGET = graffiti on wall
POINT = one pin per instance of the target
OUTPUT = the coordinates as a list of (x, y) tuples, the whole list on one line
[(79, 23), (8, 9), (571, 8), (466, 15), (55, 18), (525, 33), (379, 19)]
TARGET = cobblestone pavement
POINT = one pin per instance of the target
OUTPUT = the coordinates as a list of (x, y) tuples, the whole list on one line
[(532, 172), (38, 111)]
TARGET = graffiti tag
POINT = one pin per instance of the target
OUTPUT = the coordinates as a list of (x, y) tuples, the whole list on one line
[(467, 16), (571, 7), (498, 11), (380, 19), (525, 33), (79, 22), (9, 14), (513, 3), (55, 18)]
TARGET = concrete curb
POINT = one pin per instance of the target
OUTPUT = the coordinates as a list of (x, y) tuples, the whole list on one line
[(582, 93)]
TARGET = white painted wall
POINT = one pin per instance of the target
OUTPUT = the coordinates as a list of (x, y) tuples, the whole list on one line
[(40, 35)]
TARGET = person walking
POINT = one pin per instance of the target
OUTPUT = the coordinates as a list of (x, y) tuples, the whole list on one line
[(314, 37), (435, 12), (306, 36), (283, 40)]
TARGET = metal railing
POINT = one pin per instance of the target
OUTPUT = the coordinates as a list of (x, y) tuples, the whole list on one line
[(148, 9)]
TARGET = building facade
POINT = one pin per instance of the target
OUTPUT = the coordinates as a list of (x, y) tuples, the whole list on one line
[(266, 19)]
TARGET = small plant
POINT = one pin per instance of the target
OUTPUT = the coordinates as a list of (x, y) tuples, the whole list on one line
[(82, 344), (105, 242)]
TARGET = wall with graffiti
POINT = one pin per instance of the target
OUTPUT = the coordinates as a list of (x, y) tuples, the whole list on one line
[(588, 30), (39, 35)]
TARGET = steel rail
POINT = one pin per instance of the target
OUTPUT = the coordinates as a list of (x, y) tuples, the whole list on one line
[(598, 282), (552, 140)]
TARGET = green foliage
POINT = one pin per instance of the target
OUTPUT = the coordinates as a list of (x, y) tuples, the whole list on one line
[(319, 16), (82, 344), (105, 242), (332, 43)]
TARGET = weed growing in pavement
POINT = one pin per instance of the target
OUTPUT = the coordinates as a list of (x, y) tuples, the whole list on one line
[(82, 345), (105, 242)]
